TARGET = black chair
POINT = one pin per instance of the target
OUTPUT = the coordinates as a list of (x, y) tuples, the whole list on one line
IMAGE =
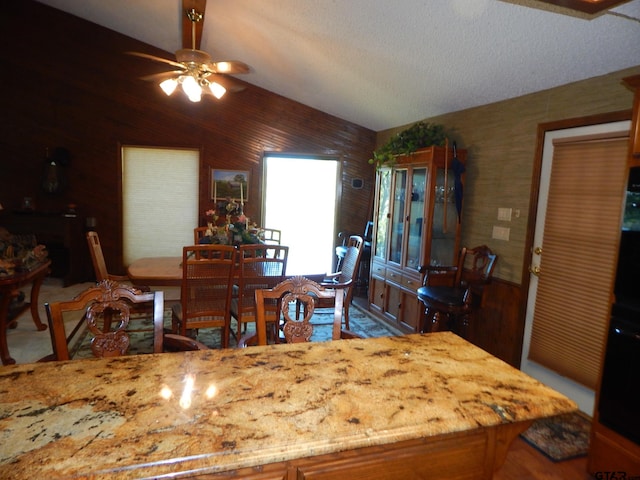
[(454, 292)]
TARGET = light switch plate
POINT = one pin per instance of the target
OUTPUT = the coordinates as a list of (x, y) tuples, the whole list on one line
[(504, 214), (501, 233)]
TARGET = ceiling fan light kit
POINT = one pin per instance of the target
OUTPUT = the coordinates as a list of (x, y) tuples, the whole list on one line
[(197, 75)]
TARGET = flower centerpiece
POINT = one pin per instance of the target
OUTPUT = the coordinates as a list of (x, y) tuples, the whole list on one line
[(234, 228)]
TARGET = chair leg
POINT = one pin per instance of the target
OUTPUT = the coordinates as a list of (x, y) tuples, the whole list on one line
[(464, 325), (431, 321), (225, 335), (346, 315)]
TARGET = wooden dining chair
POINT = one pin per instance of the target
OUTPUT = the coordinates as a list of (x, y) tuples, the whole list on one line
[(271, 236), (259, 266), (296, 291), (198, 234), (105, 310), (347, 275), (205, 296), (97, 258)]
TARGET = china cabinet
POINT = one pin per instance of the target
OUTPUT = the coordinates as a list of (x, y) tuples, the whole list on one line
[(416, 222)]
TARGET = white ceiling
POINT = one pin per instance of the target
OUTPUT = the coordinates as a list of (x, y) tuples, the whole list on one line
[(387, 63)]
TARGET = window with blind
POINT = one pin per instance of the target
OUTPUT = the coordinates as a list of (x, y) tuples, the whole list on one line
[(577, 266), (159, 200)]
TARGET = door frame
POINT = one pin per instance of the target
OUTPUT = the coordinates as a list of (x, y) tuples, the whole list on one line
[(543, 129)]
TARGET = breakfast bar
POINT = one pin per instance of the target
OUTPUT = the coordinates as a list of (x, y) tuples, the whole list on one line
[(415, 406)]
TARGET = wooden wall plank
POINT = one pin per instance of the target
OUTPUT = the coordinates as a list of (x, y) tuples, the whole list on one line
[(73, 86)]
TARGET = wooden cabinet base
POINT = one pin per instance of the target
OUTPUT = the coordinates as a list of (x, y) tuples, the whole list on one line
[(610, 452), (474, 454)]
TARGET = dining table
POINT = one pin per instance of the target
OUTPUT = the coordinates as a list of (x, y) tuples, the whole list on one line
[(411, 406), (156, 271), (9, 290), (167, 271)]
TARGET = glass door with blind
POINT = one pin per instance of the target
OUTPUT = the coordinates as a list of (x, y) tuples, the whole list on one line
[(573, 258)]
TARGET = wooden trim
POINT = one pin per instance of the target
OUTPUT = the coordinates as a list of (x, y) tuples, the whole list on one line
[(587, 6)]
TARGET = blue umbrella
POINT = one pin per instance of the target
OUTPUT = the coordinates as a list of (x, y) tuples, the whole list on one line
[(458, 170)]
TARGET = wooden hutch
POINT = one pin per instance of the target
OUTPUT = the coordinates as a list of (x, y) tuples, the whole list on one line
[(416, 222)]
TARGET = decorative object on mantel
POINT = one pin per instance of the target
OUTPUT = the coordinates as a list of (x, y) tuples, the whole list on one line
[(53, 178), (419, 135), (196, 74)]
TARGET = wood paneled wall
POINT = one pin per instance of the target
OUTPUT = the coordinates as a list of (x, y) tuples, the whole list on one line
[(67, 83)]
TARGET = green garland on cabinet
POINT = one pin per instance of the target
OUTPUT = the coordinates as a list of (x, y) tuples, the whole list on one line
[(419, 135)]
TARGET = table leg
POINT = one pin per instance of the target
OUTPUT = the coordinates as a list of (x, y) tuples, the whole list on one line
[(5, 301), (35, 291)]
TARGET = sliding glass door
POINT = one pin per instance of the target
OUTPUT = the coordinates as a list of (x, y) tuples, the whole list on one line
[(300, 198)]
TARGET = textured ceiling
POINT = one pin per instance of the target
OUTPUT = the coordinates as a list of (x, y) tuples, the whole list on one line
[(383, 63)]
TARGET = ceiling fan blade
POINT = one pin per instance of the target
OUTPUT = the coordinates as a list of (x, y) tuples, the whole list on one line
[(226, 82), (159, 77), (230, 67), (192, 30), (156, 59)]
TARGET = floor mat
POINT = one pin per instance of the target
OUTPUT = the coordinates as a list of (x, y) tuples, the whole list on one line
[(561, 437)]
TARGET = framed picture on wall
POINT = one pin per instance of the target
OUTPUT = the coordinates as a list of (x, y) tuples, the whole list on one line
[(233, 184)]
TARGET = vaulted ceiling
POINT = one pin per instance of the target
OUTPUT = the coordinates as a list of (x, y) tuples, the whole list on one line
[(382, 63)]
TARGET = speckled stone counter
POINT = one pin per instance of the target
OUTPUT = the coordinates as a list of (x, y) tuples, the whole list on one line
[(220, 410)]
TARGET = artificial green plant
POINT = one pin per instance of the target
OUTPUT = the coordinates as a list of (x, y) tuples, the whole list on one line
[(419, 135)]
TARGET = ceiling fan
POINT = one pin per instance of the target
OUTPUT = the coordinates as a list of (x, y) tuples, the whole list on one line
[(196, 73)]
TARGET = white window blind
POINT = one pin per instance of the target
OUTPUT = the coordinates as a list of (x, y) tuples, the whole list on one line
[(579, 255), (160, 201)]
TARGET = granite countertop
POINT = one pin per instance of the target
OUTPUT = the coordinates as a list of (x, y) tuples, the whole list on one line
[(130, 417)]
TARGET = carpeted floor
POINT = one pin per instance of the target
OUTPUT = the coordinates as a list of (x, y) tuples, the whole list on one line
[(27, 345), (560, 438), (141, 332)]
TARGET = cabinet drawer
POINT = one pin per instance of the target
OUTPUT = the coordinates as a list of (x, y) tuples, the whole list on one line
[(393, 276), (378, 270), (410, 283)]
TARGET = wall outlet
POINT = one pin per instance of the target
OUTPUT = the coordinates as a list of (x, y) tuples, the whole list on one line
[(501, 233)]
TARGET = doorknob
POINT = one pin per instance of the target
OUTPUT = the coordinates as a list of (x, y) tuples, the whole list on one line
[(535, 271)]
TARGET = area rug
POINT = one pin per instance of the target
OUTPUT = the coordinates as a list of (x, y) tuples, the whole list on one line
[(140, 331), (561, 437)]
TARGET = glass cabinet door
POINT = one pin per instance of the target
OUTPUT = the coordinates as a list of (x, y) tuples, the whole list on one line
[(445, 219), (384, 198), (397, 219), (416, 217)]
